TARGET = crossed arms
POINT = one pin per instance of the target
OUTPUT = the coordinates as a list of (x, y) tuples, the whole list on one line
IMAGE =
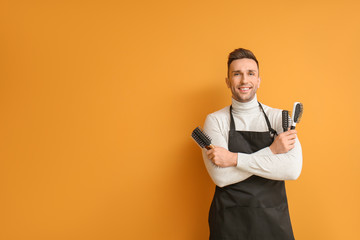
[(282, 160)]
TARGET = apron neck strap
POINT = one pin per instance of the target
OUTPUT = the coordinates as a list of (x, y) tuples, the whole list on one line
[(271, 130), (232, 122)]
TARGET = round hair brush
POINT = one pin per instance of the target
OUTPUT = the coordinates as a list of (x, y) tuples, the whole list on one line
[(201, 138)]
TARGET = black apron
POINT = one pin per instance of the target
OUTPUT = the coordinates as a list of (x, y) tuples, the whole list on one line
[(253, 209)]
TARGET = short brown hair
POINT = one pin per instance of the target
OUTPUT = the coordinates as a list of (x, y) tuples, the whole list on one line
[(241, 53)]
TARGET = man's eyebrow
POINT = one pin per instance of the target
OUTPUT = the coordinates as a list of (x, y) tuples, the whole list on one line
[(249, 70)]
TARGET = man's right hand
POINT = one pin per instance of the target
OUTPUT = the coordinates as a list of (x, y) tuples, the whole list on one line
[(284, 142)]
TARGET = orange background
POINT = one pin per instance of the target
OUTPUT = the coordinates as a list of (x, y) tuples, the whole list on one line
[(98, 100)]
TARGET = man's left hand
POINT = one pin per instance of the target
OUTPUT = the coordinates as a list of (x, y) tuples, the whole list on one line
[(222, 157)]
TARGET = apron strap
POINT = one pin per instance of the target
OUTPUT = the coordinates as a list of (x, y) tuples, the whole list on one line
[(232, 123), (272, 131)]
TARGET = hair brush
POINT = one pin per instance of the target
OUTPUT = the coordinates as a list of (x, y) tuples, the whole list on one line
[(296, 114), (286, 120), (202, 138)]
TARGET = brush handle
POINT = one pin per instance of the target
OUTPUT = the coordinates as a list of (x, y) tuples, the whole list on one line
[(210, 147), (293, 127)]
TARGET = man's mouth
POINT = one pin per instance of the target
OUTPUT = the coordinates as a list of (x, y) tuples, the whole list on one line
[(244, 89)]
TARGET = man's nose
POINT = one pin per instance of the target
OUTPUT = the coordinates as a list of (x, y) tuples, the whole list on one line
[(244, 79)]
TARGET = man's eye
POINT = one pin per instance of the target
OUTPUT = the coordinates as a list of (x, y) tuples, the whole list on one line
[(236, 74), (251, 74)]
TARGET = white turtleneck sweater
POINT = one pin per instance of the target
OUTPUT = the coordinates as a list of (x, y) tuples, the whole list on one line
[(249, 117)]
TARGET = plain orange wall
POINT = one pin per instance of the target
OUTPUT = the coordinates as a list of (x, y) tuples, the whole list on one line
[(98, 100)]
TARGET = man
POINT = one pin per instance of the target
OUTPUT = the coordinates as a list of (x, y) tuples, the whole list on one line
[(250, 160)]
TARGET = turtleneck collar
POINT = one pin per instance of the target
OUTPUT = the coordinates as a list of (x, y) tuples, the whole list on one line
[(247, 107)]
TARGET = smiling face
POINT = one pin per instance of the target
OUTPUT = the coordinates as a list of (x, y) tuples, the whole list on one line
[(243, 79)]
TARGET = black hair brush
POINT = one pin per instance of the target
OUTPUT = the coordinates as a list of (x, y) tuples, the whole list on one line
[(202, 138), (297, 113), (286, 120)]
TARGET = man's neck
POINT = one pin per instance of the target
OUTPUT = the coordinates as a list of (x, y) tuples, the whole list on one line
[(249, 106)]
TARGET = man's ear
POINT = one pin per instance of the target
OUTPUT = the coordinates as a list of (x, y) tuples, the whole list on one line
[(227, 82), (259, 82)]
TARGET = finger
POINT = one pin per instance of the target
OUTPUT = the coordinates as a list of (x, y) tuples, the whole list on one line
[(291, 142), (290, 132), (215, 162), (291, 137), (287, 133), (293, 131)]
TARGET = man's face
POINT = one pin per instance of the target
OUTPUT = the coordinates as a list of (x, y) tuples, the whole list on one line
[(243, 79)]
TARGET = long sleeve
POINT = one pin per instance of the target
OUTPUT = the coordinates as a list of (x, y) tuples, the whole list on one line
[(265, 164), (221, 176), (262, 163)]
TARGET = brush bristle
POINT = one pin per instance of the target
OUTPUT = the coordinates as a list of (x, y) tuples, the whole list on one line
[(298, 112), (285, 120), (290, 120), (201, 137)]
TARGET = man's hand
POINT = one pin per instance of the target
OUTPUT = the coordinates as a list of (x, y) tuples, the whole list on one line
[(284, 142), (222, 157)]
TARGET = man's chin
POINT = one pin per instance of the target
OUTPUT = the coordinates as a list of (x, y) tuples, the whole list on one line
[(244, 99)]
